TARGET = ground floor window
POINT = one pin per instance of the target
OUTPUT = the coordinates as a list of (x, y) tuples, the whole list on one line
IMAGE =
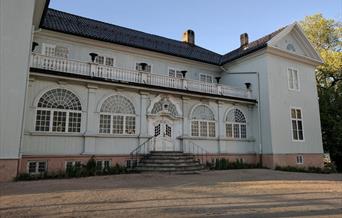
[(103, 164), (297, 124), (71, 164), (300, 159), (34, 167)]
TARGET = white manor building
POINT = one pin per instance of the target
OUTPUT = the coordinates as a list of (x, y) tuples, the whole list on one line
[(73, 87)]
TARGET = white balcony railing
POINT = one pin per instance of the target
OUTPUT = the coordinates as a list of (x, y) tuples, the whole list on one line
[(126, 75)]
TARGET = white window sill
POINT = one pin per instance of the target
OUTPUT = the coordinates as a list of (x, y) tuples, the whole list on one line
[(72, 134)]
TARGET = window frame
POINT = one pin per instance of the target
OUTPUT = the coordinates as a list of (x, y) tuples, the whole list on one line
[(139, 62), (240, 124), (175, 69), (105, 57), (206, 76), (292, 69), (199, 128), (296, 119), (112, 123), (103, 164), (73, 163), (300, 159), (36, 167)]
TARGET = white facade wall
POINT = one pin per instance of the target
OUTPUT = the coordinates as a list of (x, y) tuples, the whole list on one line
[(15, 43)]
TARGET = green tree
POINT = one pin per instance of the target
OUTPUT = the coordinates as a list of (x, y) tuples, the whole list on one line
[(326, 36)]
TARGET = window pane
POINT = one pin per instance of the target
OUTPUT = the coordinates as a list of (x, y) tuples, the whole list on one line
[(203, 78), (294, 125), (203, 128), (32, 167), (59, 121), (41, 167), (212, 131), (104, 123), (99, 165), (243, 131), (299, 125), (209, 79), (157, 130), (290, 75), (99, 59), (106, 163), (299, 114), (69, 165), (194, 128), (110, 62), (236, 131), (118, 124), (293, 113), (171, 72), (130, 125), (61, 52), (229, 130), (43, 120), (74, 122), (168, 130), (295, 80), (300, 135), (179, 74)]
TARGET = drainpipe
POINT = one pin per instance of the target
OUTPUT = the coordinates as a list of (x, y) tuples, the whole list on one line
[(259, 111)]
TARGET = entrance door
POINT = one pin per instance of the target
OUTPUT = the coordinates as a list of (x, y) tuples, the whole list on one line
[(163, 137)]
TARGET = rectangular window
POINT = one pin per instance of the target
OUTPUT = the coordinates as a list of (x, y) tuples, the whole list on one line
[(206, 78), (74, 122), (203, 128), (175, 73), (130, 125), (110, 61), (243, 131), (143, 67), (229, 130), (300, 159), (102, 164), (59, 121), (55, 51), (293, 79), (194, 128), (118, 122), (71, 164), (99, 59), (43, 120), (297, 124), (35, 167), (212, 131), (236, 131), (61, 52), (105, 123)]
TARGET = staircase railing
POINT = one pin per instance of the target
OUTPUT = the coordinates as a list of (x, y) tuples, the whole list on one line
[(200, 153), (138, 152)]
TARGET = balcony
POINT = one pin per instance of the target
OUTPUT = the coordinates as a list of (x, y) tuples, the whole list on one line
[(125, 75)]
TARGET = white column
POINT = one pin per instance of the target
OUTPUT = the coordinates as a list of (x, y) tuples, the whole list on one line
[(143, 125), (91, 127)]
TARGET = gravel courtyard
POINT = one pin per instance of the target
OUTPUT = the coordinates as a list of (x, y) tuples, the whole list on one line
[(234, 193)]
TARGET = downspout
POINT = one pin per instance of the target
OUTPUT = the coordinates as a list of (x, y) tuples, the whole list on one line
[(259, 111)]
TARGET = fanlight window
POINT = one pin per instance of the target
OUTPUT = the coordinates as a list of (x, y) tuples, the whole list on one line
[(59, 110), (203, 122), (117, 116), (236, 126), (164, 105)]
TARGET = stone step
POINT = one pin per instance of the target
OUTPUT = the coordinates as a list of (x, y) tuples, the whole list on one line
[(168, 153), (170, 165), (168, 161), (168, 169), (164, 157)]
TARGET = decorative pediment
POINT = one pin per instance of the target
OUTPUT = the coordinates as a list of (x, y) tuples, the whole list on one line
[(164, 106), (293, 41)]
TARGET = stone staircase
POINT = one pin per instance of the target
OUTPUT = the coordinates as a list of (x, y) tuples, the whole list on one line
[(169, 161)]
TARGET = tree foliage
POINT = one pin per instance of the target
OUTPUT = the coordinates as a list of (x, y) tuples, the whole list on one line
[(326, 36)]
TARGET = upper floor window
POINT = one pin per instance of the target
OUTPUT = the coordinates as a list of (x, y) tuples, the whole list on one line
[(293, 79), (59, 110), (206, 78), (143, 67), (117, 116), (236, 124), (103, 60), (203, 122), (297, 124), (175, 73), (55, 50)]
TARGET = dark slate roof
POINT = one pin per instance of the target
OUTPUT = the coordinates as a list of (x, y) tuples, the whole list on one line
[(251, 47), (80, 26)]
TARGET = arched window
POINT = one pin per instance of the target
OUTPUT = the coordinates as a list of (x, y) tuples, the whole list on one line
[(236, 124), (59, 110), (117, 116), (203, 122), (165, 104)]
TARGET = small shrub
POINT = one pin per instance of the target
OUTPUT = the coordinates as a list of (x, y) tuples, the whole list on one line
[(225, 164), (305, 170)]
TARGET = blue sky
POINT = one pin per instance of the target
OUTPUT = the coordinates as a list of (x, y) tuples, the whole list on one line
[(217, 23)]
